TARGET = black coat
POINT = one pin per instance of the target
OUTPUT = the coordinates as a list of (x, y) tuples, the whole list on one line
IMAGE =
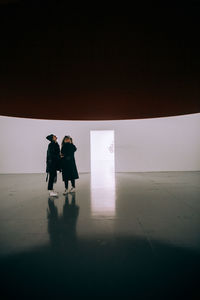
[(53, 161), (69, 169)]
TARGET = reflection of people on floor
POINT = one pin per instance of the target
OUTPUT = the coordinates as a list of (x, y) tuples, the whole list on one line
[(62, 229), (70, 215), (53, 222)]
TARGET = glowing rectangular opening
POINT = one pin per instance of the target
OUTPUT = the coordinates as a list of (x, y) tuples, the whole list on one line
[(102, 150), (102, 173)]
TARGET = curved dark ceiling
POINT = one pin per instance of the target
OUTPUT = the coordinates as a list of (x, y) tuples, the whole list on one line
[(61, 62)]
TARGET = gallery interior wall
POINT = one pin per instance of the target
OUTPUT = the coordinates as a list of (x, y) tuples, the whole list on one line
[(158, 144)]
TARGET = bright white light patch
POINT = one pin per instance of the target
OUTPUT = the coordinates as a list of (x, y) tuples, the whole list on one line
[(102, 173)]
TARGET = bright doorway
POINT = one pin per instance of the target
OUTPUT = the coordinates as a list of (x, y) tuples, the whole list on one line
[(102, 173), (102, 150)]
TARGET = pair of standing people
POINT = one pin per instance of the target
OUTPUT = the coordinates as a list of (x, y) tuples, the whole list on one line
[(61, 160)]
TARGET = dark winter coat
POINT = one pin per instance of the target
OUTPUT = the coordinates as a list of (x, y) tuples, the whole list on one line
[(69, 169), (53, 161)]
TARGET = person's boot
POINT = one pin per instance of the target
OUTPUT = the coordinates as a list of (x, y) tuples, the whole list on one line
[(72, 189), (52, 193), (66, 192)]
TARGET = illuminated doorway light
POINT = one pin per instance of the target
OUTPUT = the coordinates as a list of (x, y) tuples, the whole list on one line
[(102, 173)]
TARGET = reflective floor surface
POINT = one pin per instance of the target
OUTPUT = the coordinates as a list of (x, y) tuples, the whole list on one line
[(126, 236)]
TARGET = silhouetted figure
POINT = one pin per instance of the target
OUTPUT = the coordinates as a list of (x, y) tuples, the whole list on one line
[(69, 169), (52, 162)]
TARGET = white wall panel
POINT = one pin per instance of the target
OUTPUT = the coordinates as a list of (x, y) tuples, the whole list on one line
[(159, 144)]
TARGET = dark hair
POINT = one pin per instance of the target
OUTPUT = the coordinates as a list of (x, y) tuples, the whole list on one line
[(65, 137)]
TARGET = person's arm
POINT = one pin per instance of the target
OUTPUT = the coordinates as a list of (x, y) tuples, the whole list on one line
[(62, 152), (49, 152), (58, 148), (53, 151), (48, 159), (74, 148)]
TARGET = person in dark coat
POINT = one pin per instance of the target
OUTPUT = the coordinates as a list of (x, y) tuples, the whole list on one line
[(69, 169), (52, 162)]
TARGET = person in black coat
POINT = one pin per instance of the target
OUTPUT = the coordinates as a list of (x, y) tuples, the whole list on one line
[(69, 169), (52, 162)]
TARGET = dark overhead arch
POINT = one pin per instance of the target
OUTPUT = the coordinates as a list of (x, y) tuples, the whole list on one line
[(59, 63)]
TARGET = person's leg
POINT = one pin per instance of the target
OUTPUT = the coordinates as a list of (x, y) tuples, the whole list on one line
[(73, 183), (51, 180), (66, 187), (52, 176), (66, 184)]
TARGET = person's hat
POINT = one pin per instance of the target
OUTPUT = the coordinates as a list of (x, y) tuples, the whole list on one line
[(50, 137)]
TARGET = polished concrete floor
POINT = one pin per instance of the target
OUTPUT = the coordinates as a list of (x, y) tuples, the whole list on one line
[(126, 236)]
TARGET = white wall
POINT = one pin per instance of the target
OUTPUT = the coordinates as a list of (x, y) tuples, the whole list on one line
[(159, 144)]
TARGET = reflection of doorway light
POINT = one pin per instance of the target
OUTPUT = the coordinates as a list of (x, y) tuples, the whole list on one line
[(102, 172)]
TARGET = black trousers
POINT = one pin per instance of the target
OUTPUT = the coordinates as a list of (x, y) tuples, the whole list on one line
[(72, 182), (52, 179)]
